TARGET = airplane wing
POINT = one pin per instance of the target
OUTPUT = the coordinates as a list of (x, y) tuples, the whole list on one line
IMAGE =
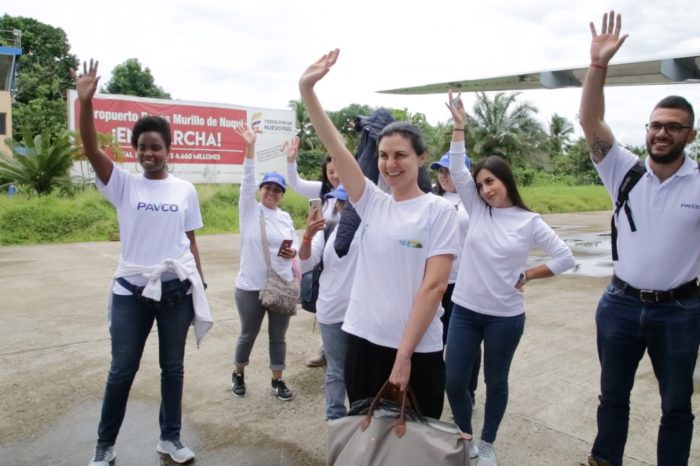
[(673, 70)]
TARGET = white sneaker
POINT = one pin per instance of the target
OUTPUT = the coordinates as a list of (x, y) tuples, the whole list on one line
[(473, 449), (103, 456), (487, 455), (177, 451)]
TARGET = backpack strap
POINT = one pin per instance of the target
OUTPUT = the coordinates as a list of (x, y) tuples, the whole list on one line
[(630, 179)]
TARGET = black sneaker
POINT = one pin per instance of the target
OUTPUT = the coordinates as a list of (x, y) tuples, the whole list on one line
[(279, 388), (237, 385)]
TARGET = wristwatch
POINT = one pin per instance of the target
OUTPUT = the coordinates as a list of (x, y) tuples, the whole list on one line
[(522, 279)]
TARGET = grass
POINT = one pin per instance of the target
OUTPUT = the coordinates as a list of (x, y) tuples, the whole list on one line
[(89, 217)]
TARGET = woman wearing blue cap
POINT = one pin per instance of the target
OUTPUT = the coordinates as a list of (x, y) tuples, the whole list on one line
[(334, 289), (252, 275), (407, 243)]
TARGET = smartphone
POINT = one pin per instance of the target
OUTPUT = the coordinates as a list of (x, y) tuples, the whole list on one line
[(285, 245), (315, 207), (456, 102)]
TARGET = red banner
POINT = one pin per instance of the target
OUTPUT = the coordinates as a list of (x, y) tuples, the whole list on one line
[(199, 134)]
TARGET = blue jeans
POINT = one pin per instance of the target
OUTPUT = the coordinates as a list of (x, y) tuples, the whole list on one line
[(132, 320), (335, 343), (501, 336), (670, 333)]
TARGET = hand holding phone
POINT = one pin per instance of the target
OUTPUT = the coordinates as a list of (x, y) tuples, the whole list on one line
[(286, 244), (315, 208)]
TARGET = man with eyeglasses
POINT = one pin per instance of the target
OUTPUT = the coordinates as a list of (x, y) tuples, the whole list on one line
[(652, 303)]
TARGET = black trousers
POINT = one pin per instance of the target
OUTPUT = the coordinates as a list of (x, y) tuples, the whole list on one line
[(368, 366)]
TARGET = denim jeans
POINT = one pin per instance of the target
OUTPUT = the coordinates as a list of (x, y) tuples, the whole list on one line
[(132, 320), (252, 312), (447, 306), (501, 336), (670, 333), (335, 343)]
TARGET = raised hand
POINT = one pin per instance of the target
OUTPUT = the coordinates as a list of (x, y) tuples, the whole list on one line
[(248, 134), (456, 108), (606, 44), (291, 149), (86, 83), (318, 70)]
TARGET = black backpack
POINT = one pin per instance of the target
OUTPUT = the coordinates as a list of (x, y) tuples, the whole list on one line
[(628, 182)]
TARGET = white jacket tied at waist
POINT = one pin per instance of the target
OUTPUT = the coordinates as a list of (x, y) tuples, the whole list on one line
[(186, 269)]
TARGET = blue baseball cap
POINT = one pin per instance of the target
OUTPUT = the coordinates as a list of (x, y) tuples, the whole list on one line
[(338, 193), (274, 177), (444, 162)]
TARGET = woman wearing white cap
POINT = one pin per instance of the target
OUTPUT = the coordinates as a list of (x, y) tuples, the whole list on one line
[(252, 275), (407, 243), (334, 289)]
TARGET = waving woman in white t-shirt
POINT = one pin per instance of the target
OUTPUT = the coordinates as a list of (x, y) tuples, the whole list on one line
[(488, 292), (407, 242), (252, 274), (159, 274)]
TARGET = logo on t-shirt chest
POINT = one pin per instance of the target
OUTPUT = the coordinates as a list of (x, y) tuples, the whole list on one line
[(163, 207)]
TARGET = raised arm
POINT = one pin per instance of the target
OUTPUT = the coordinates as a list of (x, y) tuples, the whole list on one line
[(345, 164), (458, 170), (246, 199), (306, 188), (603, 47), (86, 86)]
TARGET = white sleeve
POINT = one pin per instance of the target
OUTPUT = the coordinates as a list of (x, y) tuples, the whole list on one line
[(116, 186), (247, 205), (444, 231), (544, 237), (362, 204), (463, 181), (308, 189), (614, 167), (193, 218)]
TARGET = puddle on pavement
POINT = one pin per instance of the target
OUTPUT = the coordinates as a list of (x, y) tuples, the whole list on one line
[(70, 441), (591, 251)]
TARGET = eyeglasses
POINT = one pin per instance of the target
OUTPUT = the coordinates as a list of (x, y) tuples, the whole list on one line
[(671, 128), (443, 171)]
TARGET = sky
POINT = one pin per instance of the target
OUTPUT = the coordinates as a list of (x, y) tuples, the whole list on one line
[(252, 53)]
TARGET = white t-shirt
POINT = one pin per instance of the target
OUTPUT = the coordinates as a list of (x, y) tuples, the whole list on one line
[(252, 274), (335, 283), (667, 217), (463, 220), (497, 248), (153, 218), (396, 238)]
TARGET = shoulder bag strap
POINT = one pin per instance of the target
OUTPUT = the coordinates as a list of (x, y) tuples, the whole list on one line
[(266, 246)]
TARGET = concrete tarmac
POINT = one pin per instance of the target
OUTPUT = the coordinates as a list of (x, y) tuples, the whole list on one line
[(55, 356)]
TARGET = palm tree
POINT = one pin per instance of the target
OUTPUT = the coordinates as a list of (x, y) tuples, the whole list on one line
[(504, 127), (560, 132), (308, 141), (39, 164)]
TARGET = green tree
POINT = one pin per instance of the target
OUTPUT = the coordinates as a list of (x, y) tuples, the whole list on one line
[(560, 132), (39, 164), (130, 79), (43, 77), (504, 127)]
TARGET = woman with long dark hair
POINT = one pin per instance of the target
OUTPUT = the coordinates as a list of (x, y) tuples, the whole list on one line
[(488, 293)]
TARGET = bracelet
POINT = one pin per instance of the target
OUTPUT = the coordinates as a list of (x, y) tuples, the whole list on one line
[(600, 67), (306, 239), (458, 129)]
